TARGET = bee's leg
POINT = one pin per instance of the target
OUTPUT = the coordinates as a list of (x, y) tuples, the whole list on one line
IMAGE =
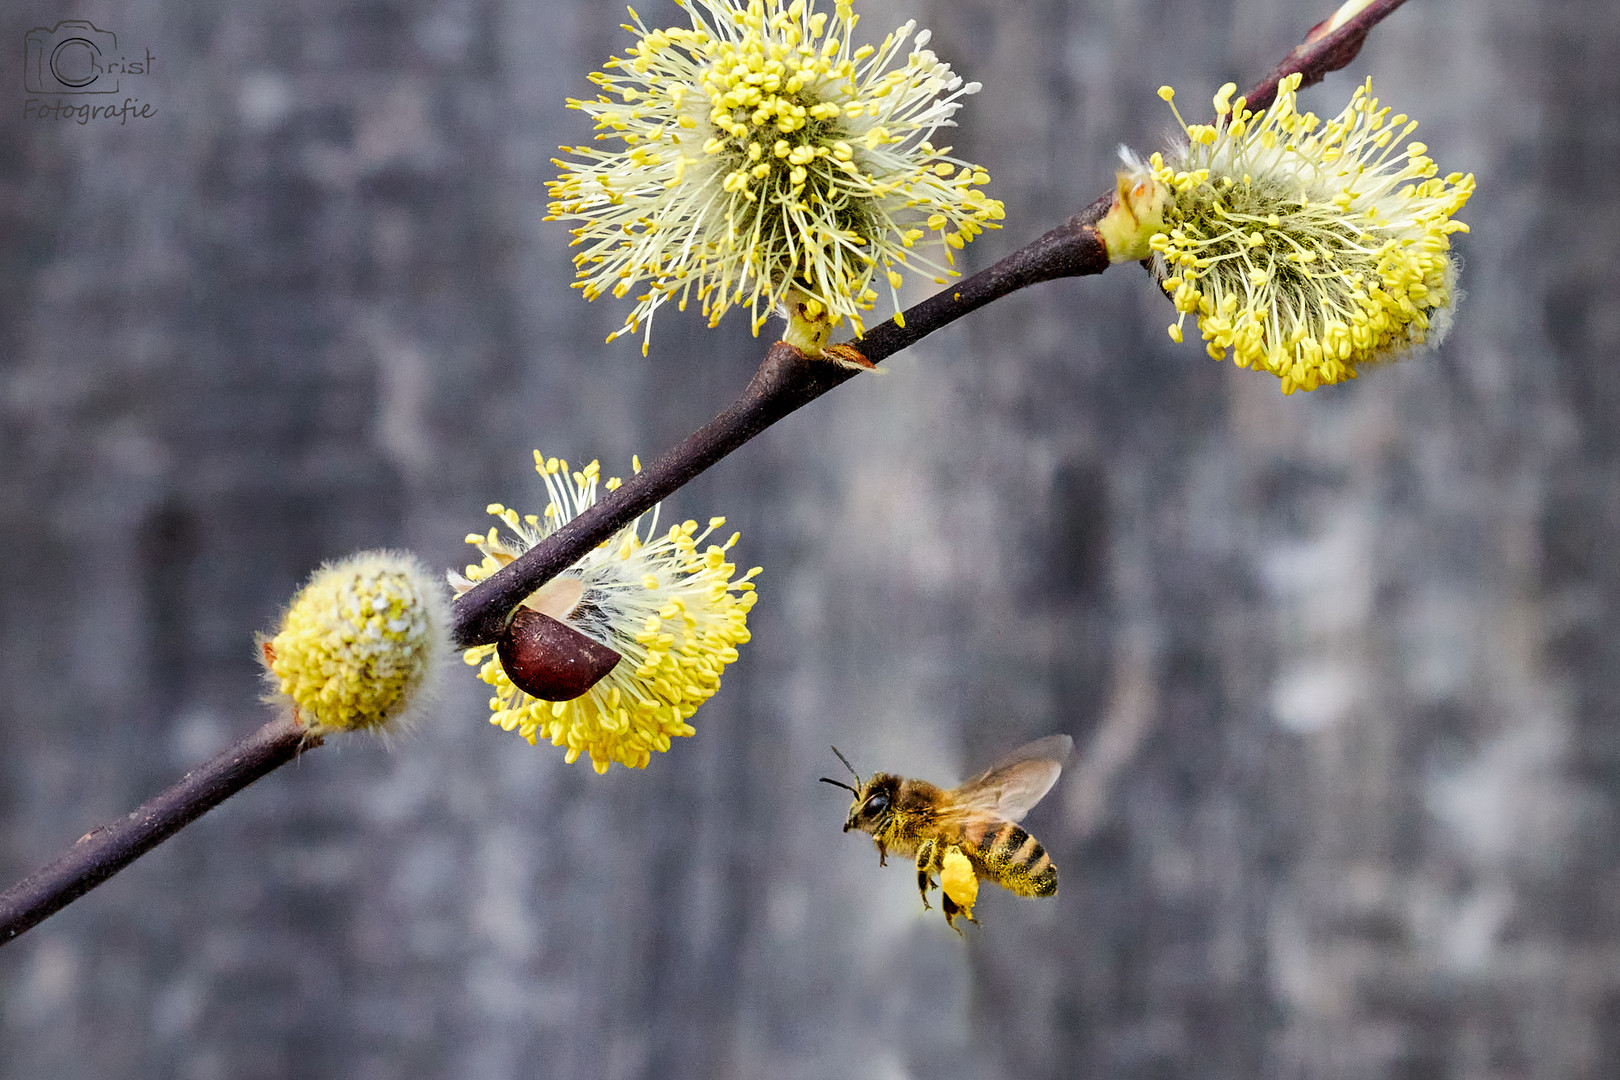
[(924, 883), (953, 912), (883, 851), (925, 862)]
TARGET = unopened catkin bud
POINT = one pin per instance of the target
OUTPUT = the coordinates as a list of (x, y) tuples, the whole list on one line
[(360, 643)]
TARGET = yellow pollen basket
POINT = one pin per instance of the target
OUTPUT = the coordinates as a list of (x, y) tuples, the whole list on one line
[(957, 879)]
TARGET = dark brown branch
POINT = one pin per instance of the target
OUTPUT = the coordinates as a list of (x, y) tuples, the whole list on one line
[(1071, 250), (1323, 51), (102, 852), (785, 381)]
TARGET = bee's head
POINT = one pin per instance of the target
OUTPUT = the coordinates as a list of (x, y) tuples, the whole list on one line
[(874, 798), (873, 804)]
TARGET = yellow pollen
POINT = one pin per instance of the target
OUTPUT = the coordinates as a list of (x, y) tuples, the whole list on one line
[(1273, 230)]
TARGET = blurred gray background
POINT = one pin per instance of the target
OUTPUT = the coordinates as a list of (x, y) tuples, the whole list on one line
[(1343, 667)]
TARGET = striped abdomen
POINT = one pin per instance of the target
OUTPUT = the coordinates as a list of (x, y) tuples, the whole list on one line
[(1012, 858)]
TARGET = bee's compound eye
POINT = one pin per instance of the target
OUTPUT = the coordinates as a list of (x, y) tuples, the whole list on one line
[(877, 804)]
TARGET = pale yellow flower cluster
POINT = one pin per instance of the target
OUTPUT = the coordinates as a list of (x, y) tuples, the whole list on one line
[(1305, 248), (765, 160), (673, 609)]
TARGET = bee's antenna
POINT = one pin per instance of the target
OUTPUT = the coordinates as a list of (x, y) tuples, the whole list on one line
[(838, 783), (847, 765)]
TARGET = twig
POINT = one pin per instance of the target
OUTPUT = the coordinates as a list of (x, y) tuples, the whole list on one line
[(1327, 48), (785, 381), (102, 852)]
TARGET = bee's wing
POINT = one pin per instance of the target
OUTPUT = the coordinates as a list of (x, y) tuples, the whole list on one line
[(1007, 789)]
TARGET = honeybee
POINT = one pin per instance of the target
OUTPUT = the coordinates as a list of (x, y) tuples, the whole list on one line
[(967, 833)]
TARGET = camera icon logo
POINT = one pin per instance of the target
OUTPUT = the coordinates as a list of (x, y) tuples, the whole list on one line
[(73, 57)]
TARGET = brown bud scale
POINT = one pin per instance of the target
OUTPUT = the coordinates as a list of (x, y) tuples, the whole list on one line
[(550, 660)]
